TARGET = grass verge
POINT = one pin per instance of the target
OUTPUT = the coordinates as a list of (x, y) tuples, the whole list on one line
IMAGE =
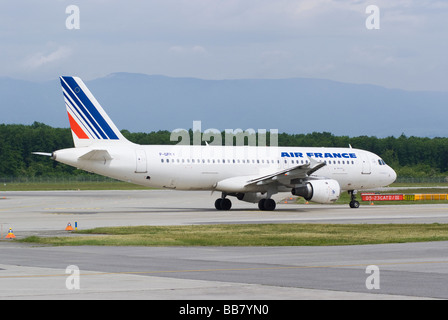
[(252, 235), (79, 185)]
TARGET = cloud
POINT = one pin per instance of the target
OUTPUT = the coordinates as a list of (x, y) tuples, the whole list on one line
[(231, 39), (40, 59)]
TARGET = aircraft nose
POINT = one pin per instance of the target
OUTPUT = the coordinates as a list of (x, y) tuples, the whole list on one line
[(392, 175)]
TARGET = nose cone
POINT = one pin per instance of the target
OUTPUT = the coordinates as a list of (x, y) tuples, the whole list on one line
[(392, 175)]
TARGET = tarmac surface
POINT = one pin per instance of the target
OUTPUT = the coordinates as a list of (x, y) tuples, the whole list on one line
[(403, 271)]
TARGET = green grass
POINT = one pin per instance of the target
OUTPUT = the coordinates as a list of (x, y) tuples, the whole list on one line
[(72, 185), (252, 235)]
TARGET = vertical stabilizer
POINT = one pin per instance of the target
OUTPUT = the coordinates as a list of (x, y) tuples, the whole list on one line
[(89, 122)]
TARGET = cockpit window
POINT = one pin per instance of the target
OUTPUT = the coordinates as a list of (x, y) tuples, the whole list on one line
[(381, 162)]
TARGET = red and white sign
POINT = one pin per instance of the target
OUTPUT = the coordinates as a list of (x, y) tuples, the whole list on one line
[(382, 197)]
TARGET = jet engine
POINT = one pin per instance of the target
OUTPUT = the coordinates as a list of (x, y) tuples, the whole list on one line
[(320, 191)]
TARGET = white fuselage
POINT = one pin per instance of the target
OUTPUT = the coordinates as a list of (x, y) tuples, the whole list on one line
[(203, 167), (249, 173)]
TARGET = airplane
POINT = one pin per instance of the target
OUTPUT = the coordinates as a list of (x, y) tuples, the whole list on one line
[(249, 173)]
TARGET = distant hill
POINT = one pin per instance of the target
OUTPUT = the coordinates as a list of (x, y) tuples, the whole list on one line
[(139, 102)]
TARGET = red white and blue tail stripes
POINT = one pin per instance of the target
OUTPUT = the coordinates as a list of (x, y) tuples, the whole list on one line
[(88, 120)]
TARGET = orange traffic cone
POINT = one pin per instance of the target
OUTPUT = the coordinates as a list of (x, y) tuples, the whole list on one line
[(69, 227), (10, 234)]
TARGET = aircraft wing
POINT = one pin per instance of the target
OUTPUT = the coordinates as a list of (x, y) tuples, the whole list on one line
[(285, 176)]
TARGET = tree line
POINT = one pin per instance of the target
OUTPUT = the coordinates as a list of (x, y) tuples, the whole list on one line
[(409, 156)]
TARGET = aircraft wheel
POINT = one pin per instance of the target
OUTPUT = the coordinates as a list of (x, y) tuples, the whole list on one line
[(266, 204), (269, 205), (226, 204), (218, 204), (354, 204)]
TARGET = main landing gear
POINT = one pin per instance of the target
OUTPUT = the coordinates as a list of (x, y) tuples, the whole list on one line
[(353, 202), (223, 204), (266, 204), (263, 204)]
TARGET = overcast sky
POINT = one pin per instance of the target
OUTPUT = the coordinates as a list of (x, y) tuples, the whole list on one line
[(229, 39)]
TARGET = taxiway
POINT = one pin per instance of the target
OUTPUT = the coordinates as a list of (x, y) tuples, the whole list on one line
[(407, 271)]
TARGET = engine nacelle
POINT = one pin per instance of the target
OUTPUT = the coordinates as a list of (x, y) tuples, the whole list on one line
[(320, 191)]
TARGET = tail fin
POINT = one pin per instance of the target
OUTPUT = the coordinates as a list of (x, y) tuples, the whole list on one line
[(89, 122)]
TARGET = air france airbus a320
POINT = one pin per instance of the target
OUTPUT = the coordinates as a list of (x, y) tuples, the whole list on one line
[(249, 173)]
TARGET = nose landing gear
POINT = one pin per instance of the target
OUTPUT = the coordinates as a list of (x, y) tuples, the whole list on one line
[(353, 202)]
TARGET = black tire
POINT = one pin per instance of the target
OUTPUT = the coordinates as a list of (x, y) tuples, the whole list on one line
[(226, 204), (354, 204), (218, 204), (261, 204), (269, 205)]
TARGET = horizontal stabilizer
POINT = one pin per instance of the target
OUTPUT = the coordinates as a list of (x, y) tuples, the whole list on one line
[(96, 155)]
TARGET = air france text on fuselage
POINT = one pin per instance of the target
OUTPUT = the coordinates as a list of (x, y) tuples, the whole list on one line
[(327, 155)]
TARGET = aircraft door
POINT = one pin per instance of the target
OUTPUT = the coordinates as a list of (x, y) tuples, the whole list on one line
[(141, 165), (366, 168)]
